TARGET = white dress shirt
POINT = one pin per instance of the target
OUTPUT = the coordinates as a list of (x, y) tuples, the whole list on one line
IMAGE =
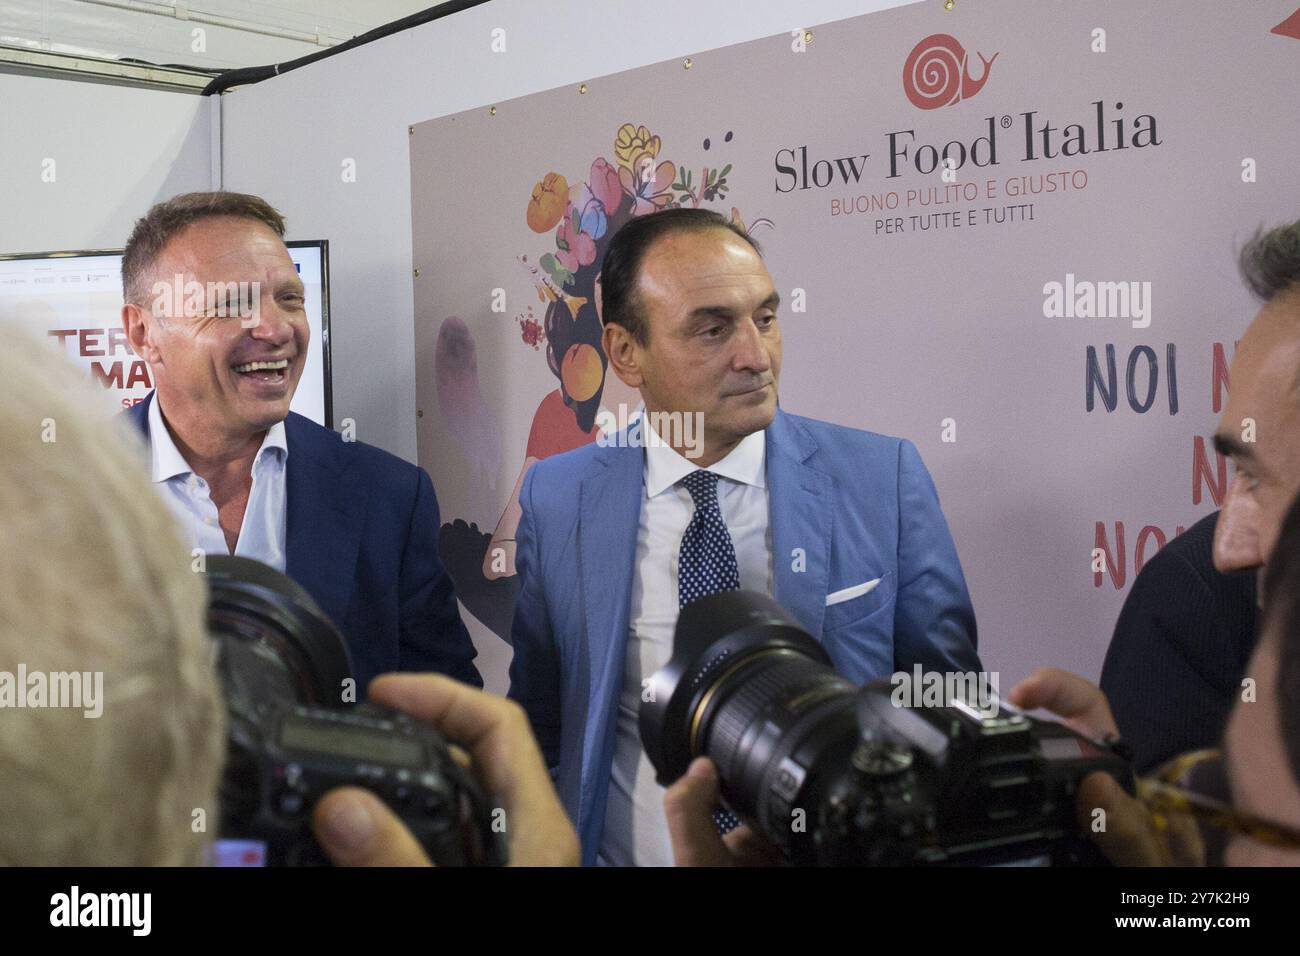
[(261, 536), (636, 831)]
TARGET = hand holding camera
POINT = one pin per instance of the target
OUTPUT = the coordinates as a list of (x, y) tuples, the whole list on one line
[(355, 828), (379, 783)]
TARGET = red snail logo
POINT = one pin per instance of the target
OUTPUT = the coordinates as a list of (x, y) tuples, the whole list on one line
[(937, 73), (1290, 27)]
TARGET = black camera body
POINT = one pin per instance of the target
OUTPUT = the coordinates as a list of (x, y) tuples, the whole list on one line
[(836, 774), (283, 760), (292, 735)]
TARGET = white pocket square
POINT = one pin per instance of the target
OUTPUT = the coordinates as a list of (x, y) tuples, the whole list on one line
[(848, 594)]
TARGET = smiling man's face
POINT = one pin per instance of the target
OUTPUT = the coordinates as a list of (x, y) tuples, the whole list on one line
[(713, 343), (205, 364)]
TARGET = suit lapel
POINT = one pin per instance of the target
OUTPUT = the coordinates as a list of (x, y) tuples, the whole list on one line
[(800, 511), (138, 415), (326, 511)]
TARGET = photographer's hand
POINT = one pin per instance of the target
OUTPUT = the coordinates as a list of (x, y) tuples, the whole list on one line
[(1078, 701), (1130, 835), (689, 804), (355, 828)]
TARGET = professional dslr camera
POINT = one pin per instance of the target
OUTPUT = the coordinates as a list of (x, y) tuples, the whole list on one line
[(834, 774), (291, 738)]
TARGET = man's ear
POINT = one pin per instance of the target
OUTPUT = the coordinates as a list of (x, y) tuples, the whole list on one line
[(623, 354), (136, 325)]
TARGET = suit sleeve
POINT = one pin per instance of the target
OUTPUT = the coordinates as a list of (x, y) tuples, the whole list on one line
[(1170, 674), (934, 622), (432, 636), (535, 668)]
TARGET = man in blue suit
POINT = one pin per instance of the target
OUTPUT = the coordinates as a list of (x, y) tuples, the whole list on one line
[(842, 527), (214, 305)]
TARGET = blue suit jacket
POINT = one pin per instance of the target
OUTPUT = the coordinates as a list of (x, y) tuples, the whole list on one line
[(860, 506), (362, 537)]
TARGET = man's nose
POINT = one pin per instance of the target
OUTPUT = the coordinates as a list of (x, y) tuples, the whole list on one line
[(269, 323), (751, 350), (1236, 533)]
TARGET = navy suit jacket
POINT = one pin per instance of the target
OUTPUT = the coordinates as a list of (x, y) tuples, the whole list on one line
[(845, 507), (362, 537)]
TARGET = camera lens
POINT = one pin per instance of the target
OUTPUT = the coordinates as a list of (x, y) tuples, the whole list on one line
[(758, 712), (748, 688), (274, 641)]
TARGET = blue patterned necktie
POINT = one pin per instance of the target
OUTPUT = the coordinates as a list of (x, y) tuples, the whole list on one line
[(707, 565)]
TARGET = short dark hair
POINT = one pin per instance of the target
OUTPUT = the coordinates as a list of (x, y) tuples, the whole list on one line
[(1281, 593), (1270, 261), (166, 219), (621, 267)]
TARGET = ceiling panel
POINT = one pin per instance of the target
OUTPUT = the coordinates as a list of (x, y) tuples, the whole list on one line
[(93, 29)]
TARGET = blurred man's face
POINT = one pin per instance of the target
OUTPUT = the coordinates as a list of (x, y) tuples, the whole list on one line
[(201, 360), (1263, 781), (1263, 388), (714, 346)]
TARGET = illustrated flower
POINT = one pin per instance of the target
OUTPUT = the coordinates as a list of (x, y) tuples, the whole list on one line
[(549, 200), (576, 247), (631, 143), (604, 184), (650, 187), (592, 219)]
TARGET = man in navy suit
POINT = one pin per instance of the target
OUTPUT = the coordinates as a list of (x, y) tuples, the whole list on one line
[(214, 305), (841, 526)]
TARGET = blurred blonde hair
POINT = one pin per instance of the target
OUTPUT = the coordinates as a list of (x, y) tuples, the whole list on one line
[(93, 577)]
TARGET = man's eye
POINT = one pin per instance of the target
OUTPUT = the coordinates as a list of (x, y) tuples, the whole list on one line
[(766, 320), (714, 331)]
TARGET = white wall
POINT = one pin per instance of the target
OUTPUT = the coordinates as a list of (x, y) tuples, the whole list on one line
[(287, 139), (116, 150)]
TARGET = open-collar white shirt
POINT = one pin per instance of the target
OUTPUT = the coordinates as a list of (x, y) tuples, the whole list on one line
[(262, 535)]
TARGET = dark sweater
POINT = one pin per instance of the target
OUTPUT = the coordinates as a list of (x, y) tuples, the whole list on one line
[(1176, 660)]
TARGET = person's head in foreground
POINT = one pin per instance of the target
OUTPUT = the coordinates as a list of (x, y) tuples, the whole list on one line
[(1260, 427), (102, 616), (690, 321), (214, 305)]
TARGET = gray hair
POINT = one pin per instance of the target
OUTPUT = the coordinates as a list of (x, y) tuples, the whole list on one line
[(94, 579), (1270, 261), (168, 219)]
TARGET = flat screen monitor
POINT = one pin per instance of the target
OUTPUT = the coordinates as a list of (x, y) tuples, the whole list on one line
[(75, 298)]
